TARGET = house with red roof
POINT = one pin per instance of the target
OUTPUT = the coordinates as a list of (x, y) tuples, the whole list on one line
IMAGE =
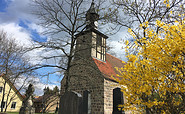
[(92, 69)]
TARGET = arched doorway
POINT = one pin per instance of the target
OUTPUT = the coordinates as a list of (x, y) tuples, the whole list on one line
[(117, 99)]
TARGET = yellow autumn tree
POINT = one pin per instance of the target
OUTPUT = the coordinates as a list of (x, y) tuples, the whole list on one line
[(154, 79)]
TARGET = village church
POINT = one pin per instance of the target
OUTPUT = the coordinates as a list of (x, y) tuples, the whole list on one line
[(92, 69)]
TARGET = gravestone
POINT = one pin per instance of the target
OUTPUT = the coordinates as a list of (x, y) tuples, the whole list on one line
[(117, 99), (70, 103), (73, 103)]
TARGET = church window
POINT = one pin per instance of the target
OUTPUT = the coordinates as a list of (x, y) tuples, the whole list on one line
[(99, 40), (13, 106), (117, 99), (100, 47)]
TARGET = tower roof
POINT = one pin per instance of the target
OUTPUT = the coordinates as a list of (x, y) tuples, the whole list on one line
[(92, 8), (91, 16)]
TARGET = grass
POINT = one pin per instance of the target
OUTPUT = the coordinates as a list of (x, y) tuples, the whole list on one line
[(35, 113), (12, 112)]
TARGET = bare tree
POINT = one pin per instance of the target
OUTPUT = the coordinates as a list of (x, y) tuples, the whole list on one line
[(62, 19), (134, 13), (13, 66)]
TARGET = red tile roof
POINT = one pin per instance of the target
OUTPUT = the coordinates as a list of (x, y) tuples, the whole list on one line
[(38, 99), (108, 68), (41, 98)]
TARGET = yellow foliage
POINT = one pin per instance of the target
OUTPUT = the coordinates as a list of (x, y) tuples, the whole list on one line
[(157, 70), (126, 42)]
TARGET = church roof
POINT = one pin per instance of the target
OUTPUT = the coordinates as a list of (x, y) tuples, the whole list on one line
[(39, 99), (108, 68), (92, 8)]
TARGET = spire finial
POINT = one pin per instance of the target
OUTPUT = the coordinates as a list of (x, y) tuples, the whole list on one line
[(92, 7), (91, 16), (93, 3)]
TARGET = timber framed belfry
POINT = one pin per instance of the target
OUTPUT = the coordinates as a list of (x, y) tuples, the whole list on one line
[(92, 69)]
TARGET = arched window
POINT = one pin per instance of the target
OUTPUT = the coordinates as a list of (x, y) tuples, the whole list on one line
[(117, 99)]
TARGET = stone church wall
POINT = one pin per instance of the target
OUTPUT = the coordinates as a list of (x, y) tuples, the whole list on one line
[(108, 94), (86, 76)]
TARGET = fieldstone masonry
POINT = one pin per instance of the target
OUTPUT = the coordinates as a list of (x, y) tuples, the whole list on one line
[(92, 68), (101, 89), (86, 76)]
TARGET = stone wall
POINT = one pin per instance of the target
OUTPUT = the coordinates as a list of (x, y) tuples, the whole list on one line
[(100, 88), (108, 96), (86, 76)]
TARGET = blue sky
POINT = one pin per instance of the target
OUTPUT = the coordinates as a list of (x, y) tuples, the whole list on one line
[(3, 5), (16, 19), (33, 32)]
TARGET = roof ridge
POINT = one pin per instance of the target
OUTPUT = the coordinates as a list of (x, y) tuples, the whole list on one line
[(113, 56)]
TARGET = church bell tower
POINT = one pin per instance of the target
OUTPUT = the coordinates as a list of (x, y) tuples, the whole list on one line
[(91, 42)]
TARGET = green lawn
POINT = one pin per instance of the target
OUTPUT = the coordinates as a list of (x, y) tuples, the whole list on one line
[(35, 113), (12, 112)]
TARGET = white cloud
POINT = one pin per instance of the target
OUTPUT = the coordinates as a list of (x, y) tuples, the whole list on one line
[(35, 56), (37, 84), (18, 33), (36, 27), (118, 49), (40, 86), (23, 37), (17, 9)]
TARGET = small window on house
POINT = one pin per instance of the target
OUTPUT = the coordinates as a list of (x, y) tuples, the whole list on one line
[(3, 105), (1, 89), (13, 106)]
